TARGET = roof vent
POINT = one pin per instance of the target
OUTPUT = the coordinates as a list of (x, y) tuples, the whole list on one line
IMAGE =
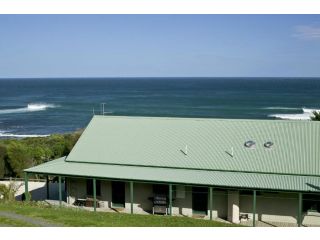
[(185, 151), (268, 144), (250, 144)]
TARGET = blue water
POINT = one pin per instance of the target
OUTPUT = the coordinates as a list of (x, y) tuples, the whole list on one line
[(64, 105)]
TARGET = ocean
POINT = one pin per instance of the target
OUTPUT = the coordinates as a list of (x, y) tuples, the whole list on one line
[(38, 107)]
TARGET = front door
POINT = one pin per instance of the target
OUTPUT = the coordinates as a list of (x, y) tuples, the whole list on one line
[(118, 194), (199, 200)]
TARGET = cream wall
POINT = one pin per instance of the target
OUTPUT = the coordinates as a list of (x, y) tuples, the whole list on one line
[(270, 207), (219, 204), (182, 204), (141, 194)]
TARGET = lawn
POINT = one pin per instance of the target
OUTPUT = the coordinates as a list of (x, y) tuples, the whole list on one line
[(72, 217), (7, 222)]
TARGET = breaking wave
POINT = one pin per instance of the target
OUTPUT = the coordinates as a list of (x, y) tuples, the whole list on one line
[(31, 107), (7, 134), (306, 114), (281, 108)]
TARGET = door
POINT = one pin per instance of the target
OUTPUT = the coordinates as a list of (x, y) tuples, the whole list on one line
[(200, 200), (118, 194)]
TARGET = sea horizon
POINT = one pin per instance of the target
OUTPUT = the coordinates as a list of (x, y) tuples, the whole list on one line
[(153, 77), (43, 106)]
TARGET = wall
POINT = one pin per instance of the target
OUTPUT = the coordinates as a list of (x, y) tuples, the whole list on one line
[(77, 189), (141, 197), (141, 194), (219, 204), (271, 207), (182, 203)]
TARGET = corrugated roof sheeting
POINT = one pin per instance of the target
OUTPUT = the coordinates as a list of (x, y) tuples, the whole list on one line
[(150, 141), (181, 176)]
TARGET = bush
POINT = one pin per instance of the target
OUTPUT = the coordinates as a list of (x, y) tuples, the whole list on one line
[(8, 193), (316, 116), (19, 157), (3, 153)]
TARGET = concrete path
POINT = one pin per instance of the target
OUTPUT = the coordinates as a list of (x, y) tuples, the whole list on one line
[(34, 221)]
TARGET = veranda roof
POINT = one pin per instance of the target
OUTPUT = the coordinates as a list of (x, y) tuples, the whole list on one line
[(219, 179)]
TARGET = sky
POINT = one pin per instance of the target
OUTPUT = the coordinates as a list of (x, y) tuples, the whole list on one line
[(159, 46)]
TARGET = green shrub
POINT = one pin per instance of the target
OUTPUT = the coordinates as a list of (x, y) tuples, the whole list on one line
[(19, 157), (316, 116), (16, 155), (7, 193), (3, 153)]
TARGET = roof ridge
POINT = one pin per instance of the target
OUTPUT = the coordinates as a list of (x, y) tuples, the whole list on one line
[(208, 119)]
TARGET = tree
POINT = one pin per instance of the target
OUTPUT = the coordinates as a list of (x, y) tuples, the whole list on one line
[(19, 157), (316, 116), (3, 153)]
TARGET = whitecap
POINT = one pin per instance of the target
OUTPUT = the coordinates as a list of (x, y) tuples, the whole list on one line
[(302, 116), (31, 107), (306, 114), (309, 110), (281, 108), (7, 134)]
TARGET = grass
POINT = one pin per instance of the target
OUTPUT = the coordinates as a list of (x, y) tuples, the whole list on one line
[(72, 217), (8, 222)]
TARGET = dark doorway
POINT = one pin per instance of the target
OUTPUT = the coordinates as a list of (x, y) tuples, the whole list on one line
[(311, 202), (160, 189), (200, 200), (118, 194), (90, 187)]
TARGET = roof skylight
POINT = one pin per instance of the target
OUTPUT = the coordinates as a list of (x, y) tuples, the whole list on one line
[(250, 144), (268, 144)]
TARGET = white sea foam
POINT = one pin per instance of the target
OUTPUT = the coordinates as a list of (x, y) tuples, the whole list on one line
[(302, 116), (306, 115), (280, 108), (31, 107), (7, 134), (308, 110)]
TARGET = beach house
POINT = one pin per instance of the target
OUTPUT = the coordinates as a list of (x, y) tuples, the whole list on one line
[(237, 170)]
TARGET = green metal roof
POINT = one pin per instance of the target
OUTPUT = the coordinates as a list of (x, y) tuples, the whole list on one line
[(181, 176), (152, 141), (153, 149)]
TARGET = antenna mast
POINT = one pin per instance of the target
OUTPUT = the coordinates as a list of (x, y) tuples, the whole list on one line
[(102, 112), (102, 109)]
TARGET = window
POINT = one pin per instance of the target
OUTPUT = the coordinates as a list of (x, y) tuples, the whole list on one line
[(90, 187)]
